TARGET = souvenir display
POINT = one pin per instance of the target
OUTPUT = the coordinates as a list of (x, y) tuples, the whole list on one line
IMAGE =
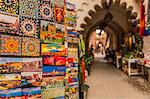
[(7, 77), (10, 65), (47, 60), (11, 94), (72, 92), (31, 79), (38, 55), (60, 29), (52, 82), (32, 64), (51, 33), (60, 61), (31, 93), (71, 33), (72, 79), (49, 71), (10, 6), (72, 75), (70, 62), (47, 10), (70, 15), (72, 53), (72, 40), (59, 3), (53, 50), (51, 61), (29, 8), (29, 27), (10, 84), (30, 47), (47, 29), (73, 45), (81, 46), (54, 93), (70, 6), (10, 45), (9, 23), (59, 11), (59, 14)]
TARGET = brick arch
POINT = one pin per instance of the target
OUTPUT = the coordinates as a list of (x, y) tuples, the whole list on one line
[(119, 24)]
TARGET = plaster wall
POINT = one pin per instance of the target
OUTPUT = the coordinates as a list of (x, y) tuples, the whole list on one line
[(83, 6)]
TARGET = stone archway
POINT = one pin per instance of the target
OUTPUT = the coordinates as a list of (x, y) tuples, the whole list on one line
[(119, 24)]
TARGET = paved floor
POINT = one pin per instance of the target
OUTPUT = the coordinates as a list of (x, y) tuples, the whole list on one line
[(106, 82)]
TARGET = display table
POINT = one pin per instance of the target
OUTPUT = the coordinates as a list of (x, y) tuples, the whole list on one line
[(118, 57), (127, 67), (147, 72)]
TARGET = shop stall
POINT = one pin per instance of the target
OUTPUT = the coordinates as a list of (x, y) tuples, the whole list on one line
[(132, 54), (146, 59), (146, 46)]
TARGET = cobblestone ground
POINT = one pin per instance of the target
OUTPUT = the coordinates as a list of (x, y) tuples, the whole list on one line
[(108, 82)]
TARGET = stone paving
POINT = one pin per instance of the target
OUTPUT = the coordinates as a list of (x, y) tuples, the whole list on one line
[(108, 82)]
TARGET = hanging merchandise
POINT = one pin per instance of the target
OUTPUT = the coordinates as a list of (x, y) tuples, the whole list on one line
[(72, 91), (29, 8), (81, 46), (148, 13), (47, 10), (59, 11), (51, 32), (54, 54), (72, 79), (142, 18), (70, 15), (10, 6), (9, 23), (14, 67), (10, 78), (53, 50), (20, 61), (32, 64), (38, 55), (32, 79), (30, 47), (29, 27), (147, 30), (10, 45), (33, 92)]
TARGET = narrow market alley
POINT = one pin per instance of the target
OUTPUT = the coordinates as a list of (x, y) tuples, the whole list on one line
[(108, 82)]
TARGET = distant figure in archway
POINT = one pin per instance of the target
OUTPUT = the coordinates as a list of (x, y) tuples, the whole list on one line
[(100, 49), (92, 52), (97, 49)]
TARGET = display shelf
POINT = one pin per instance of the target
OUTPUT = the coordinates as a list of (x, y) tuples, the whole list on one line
[(118, 58), (33, 58), (131, 67)]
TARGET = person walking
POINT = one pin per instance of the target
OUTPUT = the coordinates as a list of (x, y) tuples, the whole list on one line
[(92, 52)]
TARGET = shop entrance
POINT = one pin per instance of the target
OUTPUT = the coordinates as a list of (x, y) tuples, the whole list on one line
[(112, 17)]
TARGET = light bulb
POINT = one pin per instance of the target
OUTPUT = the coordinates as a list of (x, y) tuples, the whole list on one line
[(102, 32), (98, 31)]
